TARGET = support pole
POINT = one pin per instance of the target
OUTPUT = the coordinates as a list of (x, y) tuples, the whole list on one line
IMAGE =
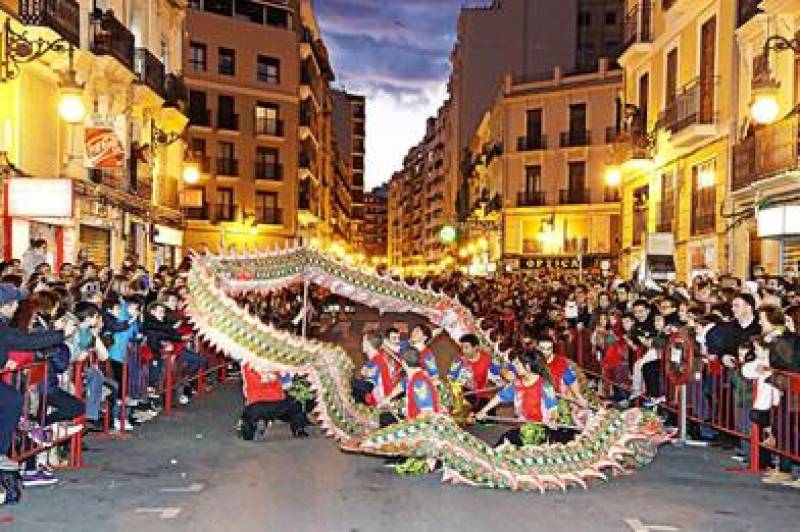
[(305, 306)]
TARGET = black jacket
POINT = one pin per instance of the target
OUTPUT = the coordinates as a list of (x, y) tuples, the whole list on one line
[(159, 331), (12, 339)]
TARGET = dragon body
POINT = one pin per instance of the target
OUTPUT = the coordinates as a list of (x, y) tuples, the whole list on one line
[(611, 440)]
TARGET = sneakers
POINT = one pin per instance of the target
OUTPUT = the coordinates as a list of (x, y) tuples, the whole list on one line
[(119, 426), (776, 477), (38, 477), (183, 399)]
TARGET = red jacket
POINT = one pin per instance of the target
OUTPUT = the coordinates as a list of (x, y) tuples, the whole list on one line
[(261, 387)]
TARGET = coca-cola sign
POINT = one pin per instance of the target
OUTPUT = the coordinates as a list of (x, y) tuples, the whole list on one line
[(103, 148)]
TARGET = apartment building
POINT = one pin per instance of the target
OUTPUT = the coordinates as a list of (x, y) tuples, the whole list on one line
[(376, 224), (260, 128), (764, 206), (674, 157), (537, 193), (349, 127), (89, 130)]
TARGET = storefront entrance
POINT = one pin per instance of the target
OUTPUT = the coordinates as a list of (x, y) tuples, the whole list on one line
[(95, 244)]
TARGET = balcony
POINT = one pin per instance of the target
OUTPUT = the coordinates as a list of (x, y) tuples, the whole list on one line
[(269, 215), (611, 194), (62, 16), (269, 127), (200, 117), (612, 135), (576, 138), (224, 212), (176, 95), (690, 118), (150, 71), (196, 213), (269, 171), (573, 196), (637, 38), (532, 143), (531, 198), (745, 10), (227, 166), (228, 121), (109, 36), (770, 152)]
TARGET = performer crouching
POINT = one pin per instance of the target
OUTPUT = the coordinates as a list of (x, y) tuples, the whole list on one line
[(533, 397), (265, 399)]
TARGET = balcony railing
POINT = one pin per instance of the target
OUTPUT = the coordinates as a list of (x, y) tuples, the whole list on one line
[(269, 215), (269, 126), (229, 121), (611, 194), (767, 152), (688, 108), (638, 25), (612, 134), (270, 171), (196, 213), (531, 198), (570, 139), (109, 36), (175, 93), (532, 143), (573, 196), (746, 9), (150, 70), (224, 212), (226, 166), (200, 117), (62, 16)]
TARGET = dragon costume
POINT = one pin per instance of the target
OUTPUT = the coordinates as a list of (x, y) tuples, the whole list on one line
[(611, 441)]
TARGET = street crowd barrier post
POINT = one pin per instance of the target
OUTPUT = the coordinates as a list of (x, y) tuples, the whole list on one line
[(168, 387), (755, 439)]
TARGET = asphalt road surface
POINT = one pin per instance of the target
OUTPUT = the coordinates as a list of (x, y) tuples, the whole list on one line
[(190, 472)]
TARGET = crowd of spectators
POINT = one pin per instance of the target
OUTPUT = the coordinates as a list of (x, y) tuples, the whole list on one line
[(104, 337)]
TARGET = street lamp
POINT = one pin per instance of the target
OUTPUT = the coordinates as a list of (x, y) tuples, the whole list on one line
[(70, 104), (191, 173), (764, 107), (613, 176)]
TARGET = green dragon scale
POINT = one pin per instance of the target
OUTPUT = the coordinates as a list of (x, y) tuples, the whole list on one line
[(611, 440)]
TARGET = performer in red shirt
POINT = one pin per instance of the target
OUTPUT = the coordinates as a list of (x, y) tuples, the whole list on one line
[(475, 370), (265, 399)]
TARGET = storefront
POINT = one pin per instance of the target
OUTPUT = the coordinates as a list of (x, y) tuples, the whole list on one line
[(94, 244), (167, 246), (39, 209), (781, 225)]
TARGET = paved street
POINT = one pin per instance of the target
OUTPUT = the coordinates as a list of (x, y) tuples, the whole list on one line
[(192, 473)]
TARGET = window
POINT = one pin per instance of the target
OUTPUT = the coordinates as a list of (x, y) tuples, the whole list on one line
[(198, 110), (267, 122), (267, 211), (666, 212), (672, 77), (577, 117), (267, 166), (227, 62), (226, 113), (533, 178), (225, 208), (268, 70), (644, 97), (198, 56), (584, 18), (227, 150), (277, 17), (611, 18), (227, 164), (577, 177), (534, 125), (704, 197), (198, 147)]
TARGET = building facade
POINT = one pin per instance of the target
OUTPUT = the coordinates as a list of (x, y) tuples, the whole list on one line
[(537, 195), (376, 224), (764, 190), (674, 157), (349, 129), (261, 108), (90, 150)]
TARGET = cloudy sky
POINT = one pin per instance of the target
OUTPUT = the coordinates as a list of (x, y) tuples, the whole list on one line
[(396, 52)]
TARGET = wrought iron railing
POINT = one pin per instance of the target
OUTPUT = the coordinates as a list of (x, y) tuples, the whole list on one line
[(689, 108), (573, 196), (767, 151), (638, 28), (269, 215), (270, 171), (532, 142), (227, 166), (531, 198), (150, 70), (109, 36), (577, 137), (62, 16)]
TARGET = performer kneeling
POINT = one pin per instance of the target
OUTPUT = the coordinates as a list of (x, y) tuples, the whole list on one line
[(419, 388), (265, 399), (533, 397)]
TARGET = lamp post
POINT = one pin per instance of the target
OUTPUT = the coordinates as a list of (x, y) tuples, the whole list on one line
[(764, 107)]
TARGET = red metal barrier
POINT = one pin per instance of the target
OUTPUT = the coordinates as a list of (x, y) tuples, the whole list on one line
[(716, 396)]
